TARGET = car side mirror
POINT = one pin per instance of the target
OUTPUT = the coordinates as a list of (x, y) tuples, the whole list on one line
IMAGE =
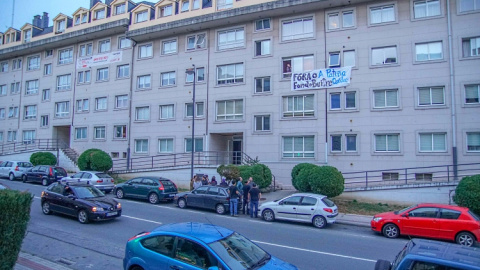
[(71, 196), (129, 183), (280, 203), (405, 215)]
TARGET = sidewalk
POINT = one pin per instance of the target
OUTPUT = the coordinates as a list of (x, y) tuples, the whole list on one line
[(27, 261)]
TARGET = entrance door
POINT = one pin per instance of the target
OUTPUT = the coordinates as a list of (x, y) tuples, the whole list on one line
[(237, 152)]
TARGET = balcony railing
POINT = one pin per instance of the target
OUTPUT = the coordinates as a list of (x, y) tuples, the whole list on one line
[(31, 145)]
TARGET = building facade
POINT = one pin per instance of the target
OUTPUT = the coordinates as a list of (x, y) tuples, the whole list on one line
[(113, 76)]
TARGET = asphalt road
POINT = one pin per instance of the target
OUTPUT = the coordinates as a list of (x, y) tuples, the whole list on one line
[(101, 245)]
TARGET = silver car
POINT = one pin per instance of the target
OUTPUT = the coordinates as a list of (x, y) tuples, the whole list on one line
[(14, 169), (302, 207), (100, 180)]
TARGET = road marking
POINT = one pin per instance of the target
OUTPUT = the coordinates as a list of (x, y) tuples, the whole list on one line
[(146, 220), (314, 251)]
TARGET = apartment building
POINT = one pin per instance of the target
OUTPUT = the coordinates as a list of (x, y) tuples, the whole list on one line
[(114, 76)]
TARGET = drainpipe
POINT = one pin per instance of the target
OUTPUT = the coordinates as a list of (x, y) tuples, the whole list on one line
[(326, 94), (130, 103), (207, 68)]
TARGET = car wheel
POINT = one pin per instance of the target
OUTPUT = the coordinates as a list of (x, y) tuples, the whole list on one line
[(391, 231), (268, 215), (153, 198), (319, 222), (182, 203), (119, 193), (382, 265), (24, 178), (136, 267), (465, 239), (220, 209), (11, 177), (82, 216), (44, 182), (46, 208)]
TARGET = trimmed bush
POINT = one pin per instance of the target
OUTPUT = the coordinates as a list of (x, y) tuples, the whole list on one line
[(229, 171), (303, 178), (296, 170), (467, 193), (43, 158), (261, 174), (327, 180), (94, 160), (14, 217)]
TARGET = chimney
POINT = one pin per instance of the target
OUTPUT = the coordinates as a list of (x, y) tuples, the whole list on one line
[(45, 20), (94, 2), (37, 21)]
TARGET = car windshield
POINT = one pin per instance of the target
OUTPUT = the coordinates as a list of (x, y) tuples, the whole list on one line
[(475, 216), (60, 171), (400, 255), (240, 253), (25, 164), (102, 175), (328, 202), (88, 192), (404, 210)]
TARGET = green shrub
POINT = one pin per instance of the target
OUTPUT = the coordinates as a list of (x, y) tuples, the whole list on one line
[(43, 158), (326, 180), (229, 171), (303, 177), (94, 160), (261, 174), (467, 193), (14, 217), (296, 170)]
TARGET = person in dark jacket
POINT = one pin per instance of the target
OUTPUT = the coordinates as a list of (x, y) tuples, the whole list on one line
[(234, 195), (214, 181), (246, 189), (254, 196), (223, 183)]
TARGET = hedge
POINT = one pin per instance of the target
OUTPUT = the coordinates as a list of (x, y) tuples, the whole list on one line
[(261, 174), (467, 193), (325, 180), (94, 160), (43, 158), (295, 179)]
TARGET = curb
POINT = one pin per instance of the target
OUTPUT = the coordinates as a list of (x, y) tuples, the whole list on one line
[(27, 261)]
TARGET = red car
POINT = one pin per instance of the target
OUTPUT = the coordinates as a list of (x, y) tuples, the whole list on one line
[(446, 222)]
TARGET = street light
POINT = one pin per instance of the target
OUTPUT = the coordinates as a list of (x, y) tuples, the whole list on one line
[(191, 71)]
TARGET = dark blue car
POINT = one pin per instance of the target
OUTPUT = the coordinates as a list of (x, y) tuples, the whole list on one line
[(196, 246)]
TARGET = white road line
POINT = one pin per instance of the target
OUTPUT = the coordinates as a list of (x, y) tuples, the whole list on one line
[(146, 220), (314, 251)]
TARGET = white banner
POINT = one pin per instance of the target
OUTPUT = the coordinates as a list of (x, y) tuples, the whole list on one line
[(321, 78), (99, 59)]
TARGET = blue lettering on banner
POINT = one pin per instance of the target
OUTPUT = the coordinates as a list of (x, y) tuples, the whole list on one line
[(323, 78)]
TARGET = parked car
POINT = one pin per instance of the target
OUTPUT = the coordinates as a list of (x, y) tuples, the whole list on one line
[(100, 180), (440, 221), (209, 197), (44, 174), (428, 254), (80, 200), (14, 169), (153, 188), (191, 246), (302, 207)]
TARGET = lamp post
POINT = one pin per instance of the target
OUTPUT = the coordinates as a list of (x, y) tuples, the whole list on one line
[(191, 71)]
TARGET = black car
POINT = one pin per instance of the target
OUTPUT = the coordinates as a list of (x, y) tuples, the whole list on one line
[(44, 174), (80, 200), (153, 188), (209, 197)]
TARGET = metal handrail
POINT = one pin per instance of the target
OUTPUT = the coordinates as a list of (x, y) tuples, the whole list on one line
[(31, 145)]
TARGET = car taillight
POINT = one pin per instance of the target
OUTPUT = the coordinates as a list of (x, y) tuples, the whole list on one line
[(161, 188), (99, 181), (138, 235), (328, 210), (50, 172), (16, 169)]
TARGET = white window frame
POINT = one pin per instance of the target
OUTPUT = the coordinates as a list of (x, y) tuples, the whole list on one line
[(15, 88), (199, 42), (141, 146), (199, 109), (473, 142), (265, 48), (65, 59), (33, 62), (123, 71), (389, 148), (383, 51), (147, 49), (225, 41), (121, 102), (12, 136), (475, 6), (84, 77), (99, 14), (81, 133), (45, 94), (166, 112), (224, 4), (433, 94), (13, 112), (467, 51), (343, 100), (86, 49), (296, 64), (292, 24), (104, 46), (429, 49), (238, 71), (165, 145), (120, 8), (295, 106), (165, 11), (62, 109), (235, 114), (259, 85), (341, 17), (28, 136), (47, 69), (199, 73), (171, 44), (101, 104), (3, 90), (262, 123), (381, 9), (102, 74), (4, 66), (142, 113), (260, 25), (197, 144), (64, 82), (31, 87), (44, 120), (432, 140), (185, 6), (124, 43), (385, 93), (291, 152), (117, 129), (30, 112), (83, 105), (472, 94), (99, 130), (144, 81), (168, 79), (427, 7), (141, 16)]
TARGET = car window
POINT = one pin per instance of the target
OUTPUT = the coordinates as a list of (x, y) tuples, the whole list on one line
[(9, 164), (25, 164), (87, 176), (57, 188), (222, 192), (309, 201), (77, 175), (88, 192), (102, 175), (328, 202), (201, 190), (424, 212), (60, 171), (167, 183), (35, 169), (474, 215), (148, 182), (135, 181), (42, 169), (431, 266), (213, 191), (162, 244), (194, 254), (295, 200), (449, 214)]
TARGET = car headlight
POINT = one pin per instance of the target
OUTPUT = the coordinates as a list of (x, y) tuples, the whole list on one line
[(96, 209), (377, 219), (119, 206)]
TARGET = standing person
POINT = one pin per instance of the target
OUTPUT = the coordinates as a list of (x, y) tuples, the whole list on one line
[(223, 183), (240, 186), (214, 181), (234, 193), (254, 196), (205, 180), (246, 189), (197, 183), (192, 181)]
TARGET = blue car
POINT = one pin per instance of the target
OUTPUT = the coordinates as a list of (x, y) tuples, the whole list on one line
[(192, 245)]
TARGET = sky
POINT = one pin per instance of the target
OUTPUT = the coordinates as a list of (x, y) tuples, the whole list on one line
[(26, 9)]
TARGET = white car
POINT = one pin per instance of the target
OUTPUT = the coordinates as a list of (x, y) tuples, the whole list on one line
[(301, 207), (14, 169), (100, 180)]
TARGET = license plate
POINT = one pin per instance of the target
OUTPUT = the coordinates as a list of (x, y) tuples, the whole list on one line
[(112, 214), (171, 195)]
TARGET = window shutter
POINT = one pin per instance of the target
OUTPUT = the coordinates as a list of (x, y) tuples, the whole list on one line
[(439, 142), (471, 92), (380, 142), (287, 144), (393, 143), (423, 96), (425, 142), (379, 99), (309, 144), (473, 139), (437, 95), (392, 98)]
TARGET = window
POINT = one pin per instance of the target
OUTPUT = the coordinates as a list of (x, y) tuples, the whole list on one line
[(431, 96), (426, 8), (33, 63), (124, 42), (145, 51), (229, 110), (429, 51), (385, 98), (104, 46), (166, 11), (101, 104), (30, 112), (102, 74), (15, 88), (84, 17), (123, 71), (85, 49), (200, 72), (62, 109), (31, 87), (141, 16), (47, 69), (44, 121), (297, 64), (335, 101), (340, 19), (185, 6), (472, 93), (100, 14), (63, 82), (196, 42), (144, 82), (473, 141), (232, 38), (336, 143), (262, 123), (424, 177), (84, 76), (82, 105), (3, 90), (13, 112), (165, 145), (120, 9), (390, 176), (433, 142), (224, 4), (77, 20), (297, 28), (384, 56), (141, 146), (198, 145), (28, 136), (99, 133), (263, 24), (17, 64), (471, 47), (169, 46), (168, 78), (4, 67), (65, 56), (230, 74), (27, 35), (298, 106), (262, 85), (48, 53), (347, 102), (196, 4), (469, 5), (262, 47), (142, 113), (2, 114), (167, 112), (351, 142), (382, 14), (45, 94), (387, 143), (120, 132), (121, 102), (61, 26), (299, 147), (12, 136), (80, 133), (334, 59), (198, 109)]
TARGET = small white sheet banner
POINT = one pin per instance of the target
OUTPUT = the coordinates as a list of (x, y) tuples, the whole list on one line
[(99, 59), (321, 78)]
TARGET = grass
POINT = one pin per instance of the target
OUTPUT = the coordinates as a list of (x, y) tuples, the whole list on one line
[(364, 208)]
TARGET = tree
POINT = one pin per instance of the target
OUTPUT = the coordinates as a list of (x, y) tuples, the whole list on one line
[(327, 180), (95, 160), (467, 193), (43, 158)]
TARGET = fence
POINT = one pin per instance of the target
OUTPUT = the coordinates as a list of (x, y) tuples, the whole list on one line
[(31, 145)]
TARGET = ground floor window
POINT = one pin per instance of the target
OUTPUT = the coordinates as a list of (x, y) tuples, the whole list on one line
[(299, 147)]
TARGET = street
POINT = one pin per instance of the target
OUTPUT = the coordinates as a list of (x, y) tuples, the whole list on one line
[(100, 245)]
